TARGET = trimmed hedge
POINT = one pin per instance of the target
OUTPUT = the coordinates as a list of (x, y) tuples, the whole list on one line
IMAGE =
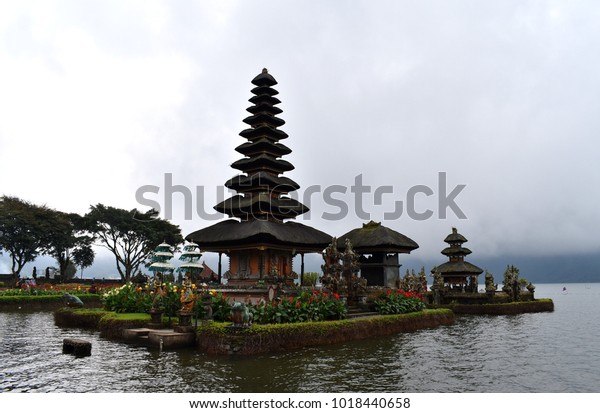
[(44, 302), (78, 318), (218, 338)]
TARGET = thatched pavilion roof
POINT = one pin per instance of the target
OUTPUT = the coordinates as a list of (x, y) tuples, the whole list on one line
[(232, 234), (374, 237), (459, 268)]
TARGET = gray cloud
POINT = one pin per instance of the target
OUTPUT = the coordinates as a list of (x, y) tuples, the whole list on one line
[(503, 96)]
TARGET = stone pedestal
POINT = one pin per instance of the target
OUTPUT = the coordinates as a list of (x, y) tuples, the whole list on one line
[(185, 318), (185, 322), (155, 318)]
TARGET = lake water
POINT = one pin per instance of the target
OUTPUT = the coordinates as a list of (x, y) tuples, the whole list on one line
[(544, 352)]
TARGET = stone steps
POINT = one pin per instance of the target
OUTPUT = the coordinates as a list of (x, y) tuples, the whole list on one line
[(357, 312), (163, 339)]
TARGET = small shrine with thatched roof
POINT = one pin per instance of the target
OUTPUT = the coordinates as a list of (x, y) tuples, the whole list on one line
[(378, 247), (258, 240), (458, 274)]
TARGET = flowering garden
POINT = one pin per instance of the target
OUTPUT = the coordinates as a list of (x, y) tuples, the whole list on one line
[(306, 306), (399, 302), (47, 289)]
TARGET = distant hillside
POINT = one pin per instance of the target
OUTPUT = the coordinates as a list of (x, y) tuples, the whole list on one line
[(550, 269)]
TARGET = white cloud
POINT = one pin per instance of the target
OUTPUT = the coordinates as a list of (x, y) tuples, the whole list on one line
[(97, 99)]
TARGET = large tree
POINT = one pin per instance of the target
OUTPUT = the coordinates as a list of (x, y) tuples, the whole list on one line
[(24, 230), (67, 238), (84, 257), (130, 235)]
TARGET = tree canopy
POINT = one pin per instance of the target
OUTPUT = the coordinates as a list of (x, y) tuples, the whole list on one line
[(67, 238), (130, 235), (24, 230), (28, 230)]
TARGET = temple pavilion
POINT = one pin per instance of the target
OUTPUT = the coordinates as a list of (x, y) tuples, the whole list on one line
[(458, 274), (378, 248), (259, 238)]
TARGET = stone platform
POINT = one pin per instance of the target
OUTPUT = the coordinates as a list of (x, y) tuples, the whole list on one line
[(163, 339), (77, 347)]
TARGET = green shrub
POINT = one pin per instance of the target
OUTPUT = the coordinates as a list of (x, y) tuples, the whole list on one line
[(309, 279), (399, 302), (220, 306), (128, 298), (315, 306)]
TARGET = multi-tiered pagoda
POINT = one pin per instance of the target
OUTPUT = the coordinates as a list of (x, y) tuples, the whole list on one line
[(457, 273), (258, 241)]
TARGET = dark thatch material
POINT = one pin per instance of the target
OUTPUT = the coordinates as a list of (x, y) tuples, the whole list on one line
[(261, 202), (264, 79), (263, 145), (263, 131), (458, 268), (262, 162), (264, 119), (232, 233), (374, 237), (264, 107), (264, 181), (455, 237), (456, 251), (261, 205)]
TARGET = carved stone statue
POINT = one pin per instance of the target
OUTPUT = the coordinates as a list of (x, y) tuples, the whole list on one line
[(490, 287), (188, 297), (438, 280), (159, 291), (241, 315), (511, 282), (72, 301), (331, 268), (473, 283), (422, 281)]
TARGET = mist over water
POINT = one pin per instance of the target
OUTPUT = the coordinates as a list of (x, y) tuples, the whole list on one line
[(544, 352)]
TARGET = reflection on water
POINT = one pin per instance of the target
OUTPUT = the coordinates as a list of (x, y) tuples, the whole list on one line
[(546, 352)]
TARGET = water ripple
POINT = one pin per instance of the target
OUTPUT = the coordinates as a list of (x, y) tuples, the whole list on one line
[(546, 352)]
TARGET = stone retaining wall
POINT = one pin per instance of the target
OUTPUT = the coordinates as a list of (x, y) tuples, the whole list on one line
[(536, 306), (217, 338)]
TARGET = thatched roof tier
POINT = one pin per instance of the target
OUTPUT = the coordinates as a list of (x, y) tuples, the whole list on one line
[(262, 162), (262, 181), (263, 131), (264, 107), (264, 99), (374, 237), (456, 251), (264, 90), (264, 79), (232, 235), (458, 268), (262, 118), (455, 237), (263, 145), (261, 205)]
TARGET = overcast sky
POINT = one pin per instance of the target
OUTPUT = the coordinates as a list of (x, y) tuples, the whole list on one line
[(100, 98)]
